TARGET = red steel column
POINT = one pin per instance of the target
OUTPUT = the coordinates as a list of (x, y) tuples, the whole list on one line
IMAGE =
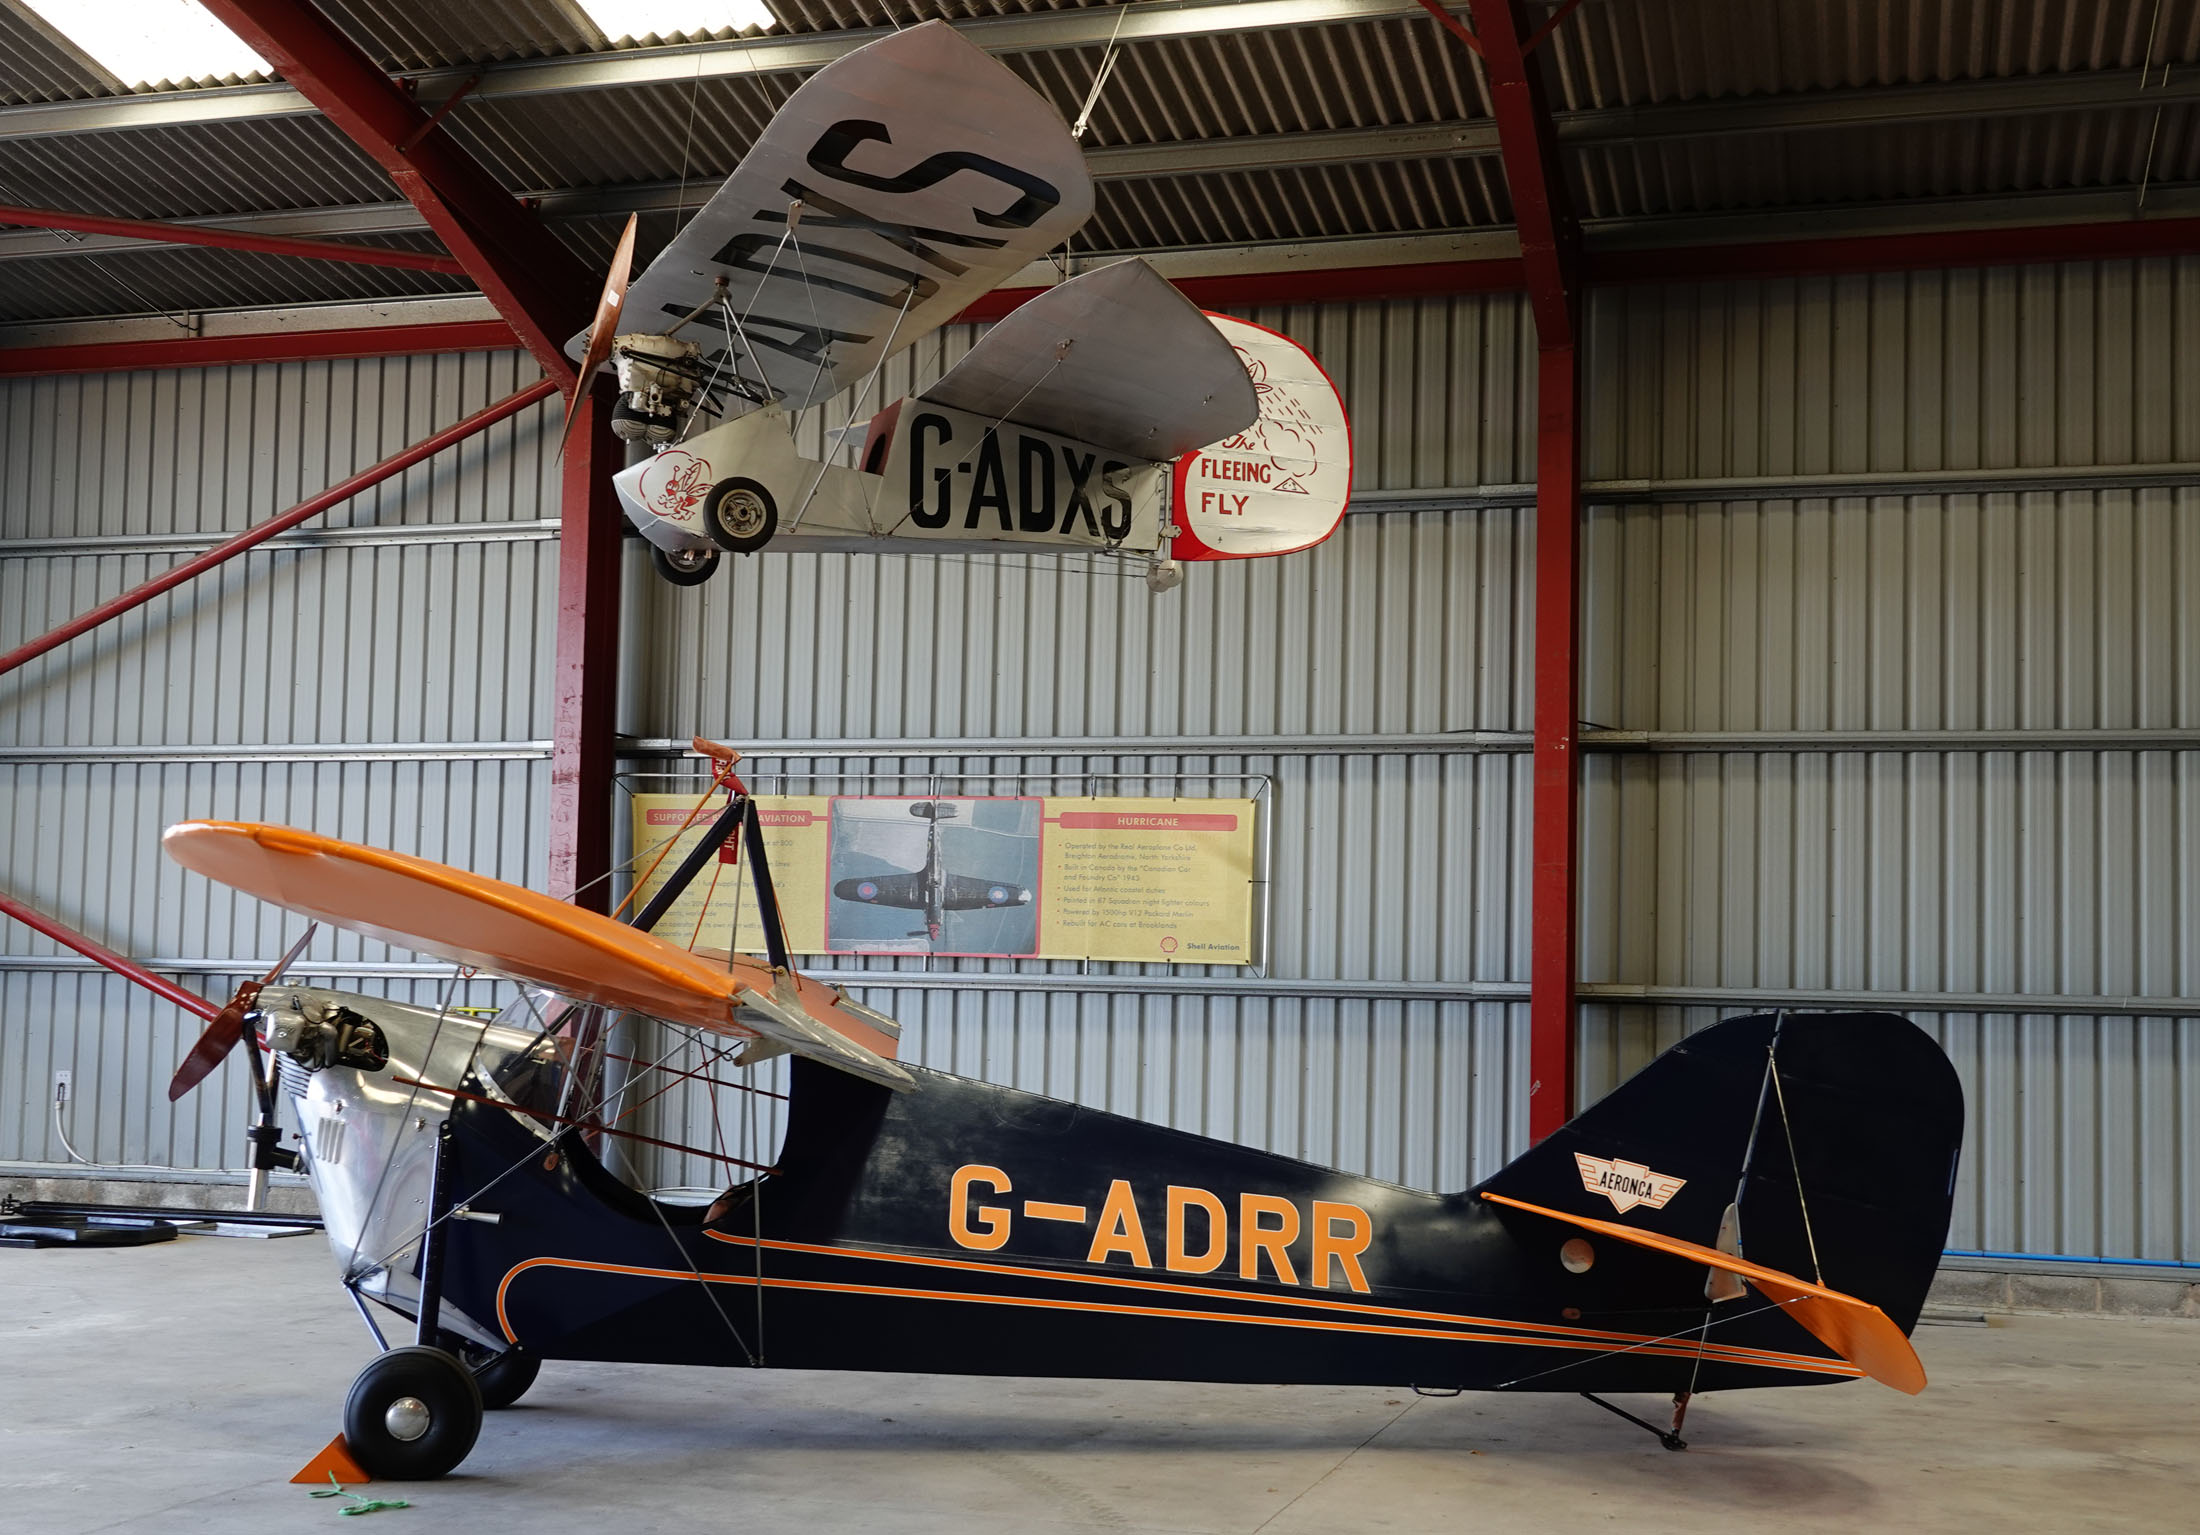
[(1550, 258), (586, 676), (1555, 852)]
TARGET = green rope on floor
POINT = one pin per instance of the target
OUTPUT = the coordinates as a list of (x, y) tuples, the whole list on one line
[(360, 1504)]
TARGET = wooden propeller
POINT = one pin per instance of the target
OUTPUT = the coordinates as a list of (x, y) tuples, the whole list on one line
[(605, 328), (226, 1028)]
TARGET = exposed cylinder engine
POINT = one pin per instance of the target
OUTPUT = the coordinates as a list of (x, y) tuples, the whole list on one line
[(658, 379)]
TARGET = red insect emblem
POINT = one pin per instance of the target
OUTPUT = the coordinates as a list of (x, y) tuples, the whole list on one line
[(675, 485)]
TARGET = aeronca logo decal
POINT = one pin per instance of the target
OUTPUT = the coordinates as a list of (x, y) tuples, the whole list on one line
[(1627, 1184)]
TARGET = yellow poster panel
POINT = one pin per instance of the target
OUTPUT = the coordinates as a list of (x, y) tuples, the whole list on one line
[(1154, 881), (795, 841), (1158, 881)]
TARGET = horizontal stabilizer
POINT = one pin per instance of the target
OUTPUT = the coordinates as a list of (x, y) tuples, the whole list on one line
[(1116, 359), (1855, 1329)]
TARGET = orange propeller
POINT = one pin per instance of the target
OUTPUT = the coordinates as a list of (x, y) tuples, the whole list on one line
[(605, 328)]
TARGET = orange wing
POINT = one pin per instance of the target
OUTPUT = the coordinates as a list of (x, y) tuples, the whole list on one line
[(1855, 1329), (512, 931)]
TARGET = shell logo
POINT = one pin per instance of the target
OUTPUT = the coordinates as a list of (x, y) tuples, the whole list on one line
[(1168, 944)]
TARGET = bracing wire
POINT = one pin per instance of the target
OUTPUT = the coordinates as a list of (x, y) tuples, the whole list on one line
[(1802, 1203), (1100, 76), (1612, 1353)]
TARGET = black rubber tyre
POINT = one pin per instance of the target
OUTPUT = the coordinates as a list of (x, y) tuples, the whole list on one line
[(740, 515), (413, 1415), (503, 1378), (688, 569)]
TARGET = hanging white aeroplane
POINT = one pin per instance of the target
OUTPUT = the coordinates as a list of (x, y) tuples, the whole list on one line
[(899, 185)]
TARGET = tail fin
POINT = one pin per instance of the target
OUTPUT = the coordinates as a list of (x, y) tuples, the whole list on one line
[(1833, 1137)]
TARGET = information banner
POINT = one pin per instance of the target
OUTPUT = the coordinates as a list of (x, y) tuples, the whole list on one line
[(1147, 880), (704, 917)]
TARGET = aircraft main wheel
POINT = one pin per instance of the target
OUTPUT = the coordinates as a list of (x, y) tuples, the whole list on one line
[(503, 1378), (690, 567), (740, 515), (413, 1414)]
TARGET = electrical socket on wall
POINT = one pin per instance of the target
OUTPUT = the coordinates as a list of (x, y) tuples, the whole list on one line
[(61, 1084)]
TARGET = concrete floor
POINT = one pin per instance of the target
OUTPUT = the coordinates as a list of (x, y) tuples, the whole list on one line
[(176, 1388)]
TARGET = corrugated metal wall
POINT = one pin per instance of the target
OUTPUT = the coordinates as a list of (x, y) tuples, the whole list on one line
[(383, 677), (2066, 866), (1381, 684), (1398, 857)]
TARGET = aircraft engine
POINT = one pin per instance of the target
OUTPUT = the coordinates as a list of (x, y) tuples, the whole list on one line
[(323, 1034), (658, 378)]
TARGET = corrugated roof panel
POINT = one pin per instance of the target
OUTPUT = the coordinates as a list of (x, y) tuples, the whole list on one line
[(1981, 156), (404, 34), (804, 16), (1369, 75), (190, 278), (38, 65), (1314, 202), (602, 138), (202, 171), (1606, 55)]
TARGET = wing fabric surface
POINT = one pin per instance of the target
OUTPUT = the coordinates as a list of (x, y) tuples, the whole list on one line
[(927, 173), (1116, 358), (1855, 1329), (511, 931)]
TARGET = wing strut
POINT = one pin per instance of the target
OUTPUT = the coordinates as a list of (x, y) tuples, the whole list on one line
[(741, 815)]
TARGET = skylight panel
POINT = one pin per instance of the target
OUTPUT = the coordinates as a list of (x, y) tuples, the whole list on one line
[(633, 20), (146, 42)]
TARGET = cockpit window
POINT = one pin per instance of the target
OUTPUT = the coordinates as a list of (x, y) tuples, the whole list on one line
[(534, 1078)]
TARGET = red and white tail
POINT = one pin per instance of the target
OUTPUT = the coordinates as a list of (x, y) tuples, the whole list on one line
[(1280, 485)]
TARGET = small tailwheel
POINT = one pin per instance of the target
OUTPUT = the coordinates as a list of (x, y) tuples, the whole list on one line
[(690, 567), (503, 1378), (740, 515), (413, 1414)]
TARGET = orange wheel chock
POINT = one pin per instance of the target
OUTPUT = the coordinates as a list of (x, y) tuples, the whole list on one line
[(334, 1461)]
